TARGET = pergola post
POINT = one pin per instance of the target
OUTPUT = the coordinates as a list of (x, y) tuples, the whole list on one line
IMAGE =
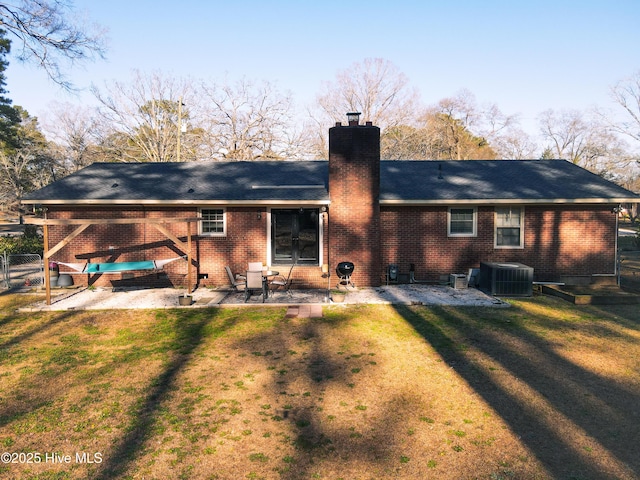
[(45, 259), (189, 267)]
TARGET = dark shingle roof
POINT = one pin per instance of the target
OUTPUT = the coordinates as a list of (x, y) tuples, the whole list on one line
[(494, 180), (403, 181), (191, 182)]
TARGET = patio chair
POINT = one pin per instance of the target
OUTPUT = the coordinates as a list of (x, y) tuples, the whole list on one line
[(237, 281), (280, 281), (255, 282), (255, 267)]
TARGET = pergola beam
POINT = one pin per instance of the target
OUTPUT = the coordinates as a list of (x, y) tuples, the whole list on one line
[(107, 221), (85, 223), (179, 243), (64, 242)]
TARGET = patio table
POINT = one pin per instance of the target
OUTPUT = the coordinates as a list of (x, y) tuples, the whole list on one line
[(266, 274)]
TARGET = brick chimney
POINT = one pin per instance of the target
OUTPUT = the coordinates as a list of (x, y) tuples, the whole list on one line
[(354, 188)]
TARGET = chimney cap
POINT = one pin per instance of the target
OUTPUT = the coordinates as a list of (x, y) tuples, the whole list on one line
[(353, 117)]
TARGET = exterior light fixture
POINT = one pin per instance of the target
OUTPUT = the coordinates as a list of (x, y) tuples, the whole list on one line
[(354, 118)]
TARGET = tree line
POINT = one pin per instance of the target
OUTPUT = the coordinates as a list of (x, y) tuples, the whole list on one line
[(159, 118)]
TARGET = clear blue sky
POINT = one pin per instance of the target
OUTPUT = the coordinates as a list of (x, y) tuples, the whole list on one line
[(525, 56)]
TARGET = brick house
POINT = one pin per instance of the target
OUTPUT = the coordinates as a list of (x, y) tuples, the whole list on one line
[(434, 217)]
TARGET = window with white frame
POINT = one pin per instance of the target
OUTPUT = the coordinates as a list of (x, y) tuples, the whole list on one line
[(509, 227), (295, 236), (462, 222), (214, 221)]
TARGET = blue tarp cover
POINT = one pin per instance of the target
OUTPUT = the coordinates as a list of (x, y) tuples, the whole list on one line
[(119, 266)]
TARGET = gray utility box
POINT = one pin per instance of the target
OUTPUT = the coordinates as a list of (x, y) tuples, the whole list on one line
[(506, 279), (458, 281)]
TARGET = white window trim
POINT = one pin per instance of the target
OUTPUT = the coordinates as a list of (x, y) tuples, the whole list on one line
[(474, 233), (495, 228), (224, 223)]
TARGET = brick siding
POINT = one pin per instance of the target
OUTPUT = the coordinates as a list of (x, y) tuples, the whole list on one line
[(354, 186), (558, 241), (245, 241)]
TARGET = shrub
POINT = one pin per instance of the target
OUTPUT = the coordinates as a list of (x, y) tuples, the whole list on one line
[(29, 242)]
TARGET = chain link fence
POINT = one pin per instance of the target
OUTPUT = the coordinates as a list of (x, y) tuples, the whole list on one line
[(21, 270)]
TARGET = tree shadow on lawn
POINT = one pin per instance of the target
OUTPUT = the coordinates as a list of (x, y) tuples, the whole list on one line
[(11, 350), (578, 424), (190, 334), (41, 327), (191, 327), (308, 378)]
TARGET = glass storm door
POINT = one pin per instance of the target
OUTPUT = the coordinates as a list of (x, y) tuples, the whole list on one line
[(294, 236)]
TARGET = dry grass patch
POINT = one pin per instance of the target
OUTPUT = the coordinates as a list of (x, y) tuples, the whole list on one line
[(540, 390)]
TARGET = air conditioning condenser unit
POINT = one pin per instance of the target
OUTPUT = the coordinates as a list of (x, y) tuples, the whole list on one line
[(506, 279)]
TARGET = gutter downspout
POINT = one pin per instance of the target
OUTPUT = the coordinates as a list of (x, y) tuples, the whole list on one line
[(617, 259), (328, 257)]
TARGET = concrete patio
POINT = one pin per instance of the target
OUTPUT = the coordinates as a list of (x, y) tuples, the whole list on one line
[(412, 294)]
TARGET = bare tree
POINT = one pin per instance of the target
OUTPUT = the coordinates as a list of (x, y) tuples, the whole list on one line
[(74, 135), (13, 181), (376, 88), (404, 142), (249, 120), (461, 107), (452, 140), (316, 132), (48, 33), (580, 138), (513, 143), (149, 116), (468, 130), (627, 95), (504, 134), (160, 119)]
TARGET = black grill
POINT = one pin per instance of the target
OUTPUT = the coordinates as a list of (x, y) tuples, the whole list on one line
[(344, 271)]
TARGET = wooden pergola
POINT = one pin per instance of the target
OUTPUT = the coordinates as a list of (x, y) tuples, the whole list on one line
[(83, 224)]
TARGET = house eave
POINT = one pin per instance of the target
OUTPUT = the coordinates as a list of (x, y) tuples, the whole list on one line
[(390, 202), (509, 201), (92, 202)]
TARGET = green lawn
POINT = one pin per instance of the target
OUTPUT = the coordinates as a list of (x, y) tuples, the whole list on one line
[(543, 389)]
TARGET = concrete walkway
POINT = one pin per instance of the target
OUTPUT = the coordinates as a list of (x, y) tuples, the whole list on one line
[(305, 311)]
